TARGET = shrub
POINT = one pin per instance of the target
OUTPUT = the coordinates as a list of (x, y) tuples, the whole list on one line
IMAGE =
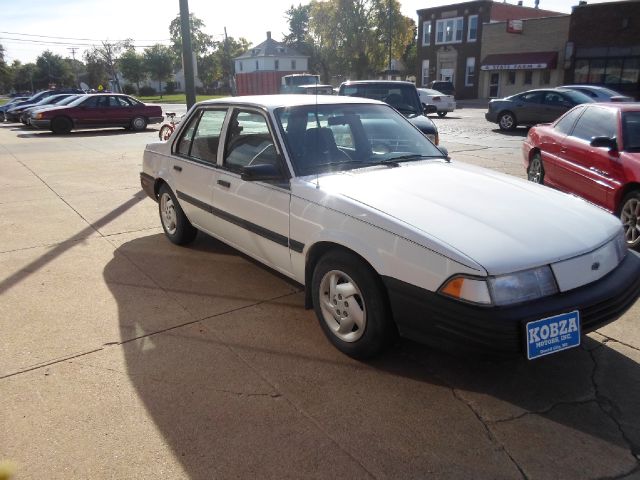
[(130, 89), (146, 91), (170, 88)]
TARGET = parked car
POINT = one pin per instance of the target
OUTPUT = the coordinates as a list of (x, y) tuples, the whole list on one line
[(65, 101), (10, 104), (403, 96), (99, 111), (444, 103), (13, 114), (532, 107), (443, 86), (592, 151), (599, 94), (25, 112), (346, 197), (315, 89)]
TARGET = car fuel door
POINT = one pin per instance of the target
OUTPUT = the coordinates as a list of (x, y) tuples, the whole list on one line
[(252, 214)]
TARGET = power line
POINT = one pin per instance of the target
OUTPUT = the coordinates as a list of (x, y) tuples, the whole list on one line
[(52, 42), (82, 39)]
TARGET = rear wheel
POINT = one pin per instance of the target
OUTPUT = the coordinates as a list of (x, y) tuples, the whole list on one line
[(138, 124), (630, 218), (535, 173), (61, 125), (351, 305), (442, 114), (175, 223), (507, 121)]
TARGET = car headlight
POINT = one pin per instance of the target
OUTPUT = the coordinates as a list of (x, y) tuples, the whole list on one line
[(503, 289)]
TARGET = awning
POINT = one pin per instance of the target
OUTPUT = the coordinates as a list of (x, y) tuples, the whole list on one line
[(520, 61)]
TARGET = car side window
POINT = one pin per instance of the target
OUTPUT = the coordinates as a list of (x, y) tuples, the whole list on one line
[(249, 142), (596, 122), (206, 139), (184, 144), (118, 102), (91, 102), (532, 97), (565, 124), (553, 98)]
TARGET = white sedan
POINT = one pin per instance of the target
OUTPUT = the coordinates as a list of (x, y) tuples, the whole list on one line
[(345, 196), (444, 103)]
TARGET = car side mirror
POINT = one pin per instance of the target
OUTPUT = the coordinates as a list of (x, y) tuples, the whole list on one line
[(261, 172), (427, 109), (445, 152), (604, 142)]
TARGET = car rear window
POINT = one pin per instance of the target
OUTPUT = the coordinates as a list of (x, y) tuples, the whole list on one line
[(596, 122), (631, 131)]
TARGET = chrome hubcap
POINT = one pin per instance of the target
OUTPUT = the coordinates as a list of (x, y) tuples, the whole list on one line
[(138, 123), (342, 306), (630, 217), (506, 121), (535, 170), (168, 213)]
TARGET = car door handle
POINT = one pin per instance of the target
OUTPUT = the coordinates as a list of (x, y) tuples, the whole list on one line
[(563, 150), (177, 168), (224, 183)]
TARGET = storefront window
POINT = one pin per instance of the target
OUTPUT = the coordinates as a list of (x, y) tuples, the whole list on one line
[(631, 70), (581, 71), (614, 71), (511, 78), (528, 77), (545, 77), (596, 71)]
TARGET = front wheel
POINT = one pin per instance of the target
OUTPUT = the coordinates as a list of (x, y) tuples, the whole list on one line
[(630, 218), (535, 173), (61, 125), (175, 223), (351, 305), (507, 121), (165, 132), (442, 114)]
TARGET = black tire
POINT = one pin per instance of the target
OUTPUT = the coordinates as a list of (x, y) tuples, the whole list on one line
[(175, 223), (138, 124), (535, 172), (507, 121), (61, 125), (369, 304), (165, 132), (442, 114), (630, 218)]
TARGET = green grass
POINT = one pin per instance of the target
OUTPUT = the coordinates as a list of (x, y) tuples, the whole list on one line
[(175, 98)]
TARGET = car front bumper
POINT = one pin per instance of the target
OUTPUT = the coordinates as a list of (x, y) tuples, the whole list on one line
[(448, 324), (40, 123), (491, 117)]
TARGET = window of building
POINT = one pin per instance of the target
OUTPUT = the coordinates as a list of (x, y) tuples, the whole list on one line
[(472, 35), (277, 64), (511, 77), (425, 73), (257, 65), (528, 77), (293, 64), (240, 64), (545, 77), (426, 33), (596, 71), (581, 71), (449, 30), (470, 72), (613, 73), (631, 70)]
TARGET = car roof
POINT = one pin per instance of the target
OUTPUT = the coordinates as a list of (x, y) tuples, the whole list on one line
[(622, 106), (378, 82), (288, 100)]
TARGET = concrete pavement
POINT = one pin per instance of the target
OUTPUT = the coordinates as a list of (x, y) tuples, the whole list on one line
[(124, 356)]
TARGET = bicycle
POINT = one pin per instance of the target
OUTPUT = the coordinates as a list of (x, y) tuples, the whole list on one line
[(167, 128)]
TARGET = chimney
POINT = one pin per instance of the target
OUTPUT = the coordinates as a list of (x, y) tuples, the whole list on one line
[(537, 3), (519, 3), (268, 35)]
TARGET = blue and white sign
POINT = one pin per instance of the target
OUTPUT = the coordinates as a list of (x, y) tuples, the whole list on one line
[(553, 334)]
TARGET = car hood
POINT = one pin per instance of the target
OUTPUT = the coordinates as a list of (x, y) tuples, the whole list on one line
[(502, 223), (424, 124)]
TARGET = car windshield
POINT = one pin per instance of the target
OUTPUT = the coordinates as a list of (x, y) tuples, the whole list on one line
[(631, 131), (67, 100), (322, 138), (401, 97)]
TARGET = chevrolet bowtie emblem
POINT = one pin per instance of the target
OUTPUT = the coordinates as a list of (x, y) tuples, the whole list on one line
[(595, 266)]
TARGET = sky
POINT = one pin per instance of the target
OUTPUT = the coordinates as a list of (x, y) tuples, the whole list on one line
[(25, 26)]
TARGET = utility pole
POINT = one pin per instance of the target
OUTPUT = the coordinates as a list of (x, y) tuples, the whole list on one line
[(187, 55), (75, 66)]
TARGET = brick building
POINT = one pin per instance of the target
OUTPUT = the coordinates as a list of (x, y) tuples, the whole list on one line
[(522, 55), (604, 46), (450, 40)]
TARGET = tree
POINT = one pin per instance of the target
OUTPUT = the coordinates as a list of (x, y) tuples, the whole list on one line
[(96, 69), (5, 72), (132, 66), (107, 55), (159, 63), (51, 69), (201, 42), (23, 76)]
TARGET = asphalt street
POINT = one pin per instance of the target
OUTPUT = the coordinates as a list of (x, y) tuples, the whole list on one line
[(125, 356)]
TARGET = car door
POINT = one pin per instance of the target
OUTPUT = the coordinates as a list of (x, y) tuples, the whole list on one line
[(554, 105), (119, 112), (86, 114), (527, 107), (253, 215), (195, 153), (590, 172)]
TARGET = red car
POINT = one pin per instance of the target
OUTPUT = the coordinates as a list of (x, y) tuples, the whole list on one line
[(99, 111), (592, 151)]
